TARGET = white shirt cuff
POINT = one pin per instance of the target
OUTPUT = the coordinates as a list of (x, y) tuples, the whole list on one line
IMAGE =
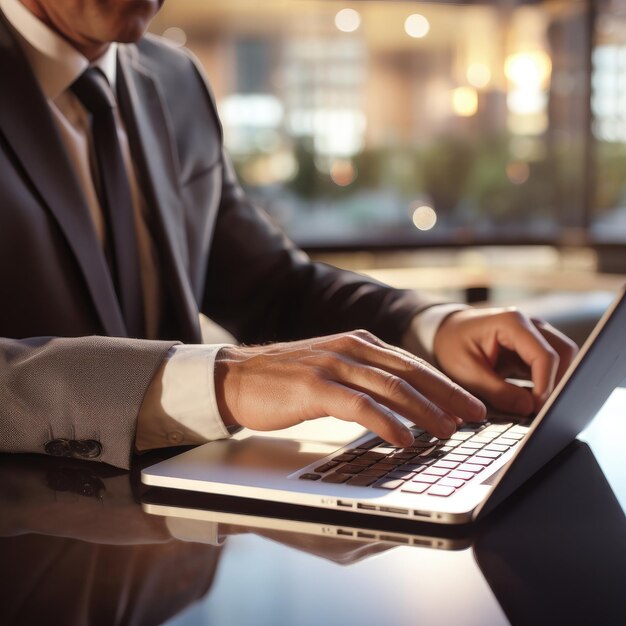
[(180, 407), (420, 336)]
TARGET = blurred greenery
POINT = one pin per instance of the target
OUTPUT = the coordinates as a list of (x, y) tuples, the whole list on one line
[(467, 180)]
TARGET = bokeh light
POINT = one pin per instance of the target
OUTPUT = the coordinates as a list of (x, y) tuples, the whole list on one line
[(342, 172), (518, 172), (478, 75), (424, 217), (528, 69), (465, 101), (175, 35), (347, 20), (416, 26)]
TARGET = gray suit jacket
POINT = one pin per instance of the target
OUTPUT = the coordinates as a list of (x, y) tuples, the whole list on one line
[(71, 381)]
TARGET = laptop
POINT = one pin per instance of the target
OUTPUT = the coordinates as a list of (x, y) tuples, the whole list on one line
[(533, 563), (453, 481)]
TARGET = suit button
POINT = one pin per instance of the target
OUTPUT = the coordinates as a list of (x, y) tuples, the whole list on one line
[(58, 447), (86, 448), (175, 437)]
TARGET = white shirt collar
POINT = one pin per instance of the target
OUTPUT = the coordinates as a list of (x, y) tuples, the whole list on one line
[(54, 61)]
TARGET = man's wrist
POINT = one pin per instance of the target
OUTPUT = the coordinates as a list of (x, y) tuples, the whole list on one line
[(420, 335)]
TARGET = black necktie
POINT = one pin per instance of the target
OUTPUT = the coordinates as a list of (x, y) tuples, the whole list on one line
[(94, 92)]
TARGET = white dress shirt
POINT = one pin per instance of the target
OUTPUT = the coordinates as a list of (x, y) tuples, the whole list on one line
[(180, 407)]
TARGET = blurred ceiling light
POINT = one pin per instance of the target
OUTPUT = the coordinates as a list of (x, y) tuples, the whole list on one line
[(518, 173), (528, 68), (416, 26), (465, 101), (478, 75), (175, 35), (342, 172), (424, 217), (347, 20), (526, 101)]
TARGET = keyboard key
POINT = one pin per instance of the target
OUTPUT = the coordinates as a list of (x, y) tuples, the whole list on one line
[(336, 478), (462, 475), (471, 467), (376, 473), (513, 436), (363, 462), (444, 492), (374, 456), (401, 475), (411, 467), (385, 450), (405, 456), (471, 445), (362, 481), (461, 435), (428, 438), (396, 460), (345, 458), (309, 477), (505, 441), (436, 471), (425, 478), (389, 484), (451, 482), (479, 460), (481, 439), (415, 487), (427, 451), (490, 454), (447, 464), (497, 447), (472, 426), (385, 465), (432, 453), (518, 429), (465, 451), (356, 451), (418, 446), (459, 458), (498, 428), (326, 467), (351, 469)]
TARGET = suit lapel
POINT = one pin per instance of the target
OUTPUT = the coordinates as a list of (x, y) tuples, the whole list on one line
[(27, 124), (153, 151)]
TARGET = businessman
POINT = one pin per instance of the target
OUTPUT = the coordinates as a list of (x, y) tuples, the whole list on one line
[(121, 220)]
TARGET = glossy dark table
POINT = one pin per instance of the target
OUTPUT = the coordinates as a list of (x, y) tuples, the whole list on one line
[(76, 547)]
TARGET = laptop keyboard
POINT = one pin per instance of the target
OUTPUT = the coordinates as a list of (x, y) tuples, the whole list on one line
[(431, 466)]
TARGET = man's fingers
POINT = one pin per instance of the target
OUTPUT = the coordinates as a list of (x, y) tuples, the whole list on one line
[(351, 405), (397, 394), (501, 395), (563, 345), (517, 334), (426, 380)]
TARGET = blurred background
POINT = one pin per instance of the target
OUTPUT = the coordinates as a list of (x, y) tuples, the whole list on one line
[(485, 137)]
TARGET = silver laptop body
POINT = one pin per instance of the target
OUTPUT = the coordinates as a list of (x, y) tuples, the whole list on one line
[(279, 469)]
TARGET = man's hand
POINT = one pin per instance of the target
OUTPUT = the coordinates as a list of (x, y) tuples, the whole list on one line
[(479, 348), (352, 376)]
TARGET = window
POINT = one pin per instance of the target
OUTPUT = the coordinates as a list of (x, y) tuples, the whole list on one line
[(389, 123)]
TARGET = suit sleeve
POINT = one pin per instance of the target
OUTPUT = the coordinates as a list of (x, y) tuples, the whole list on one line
[(261, 287), (76, 397)]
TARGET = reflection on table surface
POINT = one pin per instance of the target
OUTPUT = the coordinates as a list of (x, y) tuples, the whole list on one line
[(77, 548)]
